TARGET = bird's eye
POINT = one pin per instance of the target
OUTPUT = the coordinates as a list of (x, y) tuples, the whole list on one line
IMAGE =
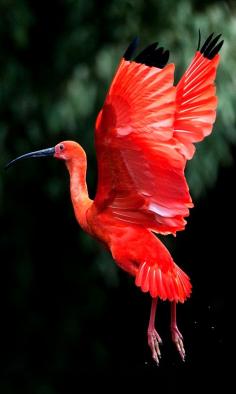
[(61, 146)]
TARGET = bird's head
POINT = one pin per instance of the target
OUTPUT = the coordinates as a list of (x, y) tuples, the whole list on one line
[(69, 150), (66, 150)]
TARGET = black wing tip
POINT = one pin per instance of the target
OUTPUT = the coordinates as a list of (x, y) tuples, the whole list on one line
[(131, 48), (199, 40), (152, 55), (211, 46)]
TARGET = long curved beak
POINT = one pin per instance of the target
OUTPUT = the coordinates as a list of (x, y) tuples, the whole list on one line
[(37, 153)]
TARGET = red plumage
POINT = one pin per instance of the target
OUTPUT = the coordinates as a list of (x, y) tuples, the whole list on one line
[(144, 135)]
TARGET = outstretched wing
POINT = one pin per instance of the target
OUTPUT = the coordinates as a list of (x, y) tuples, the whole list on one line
[(196, 99), (141, 158), (140, 173)]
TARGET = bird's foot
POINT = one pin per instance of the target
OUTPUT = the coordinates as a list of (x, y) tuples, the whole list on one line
[(154, 340), (178, 340)]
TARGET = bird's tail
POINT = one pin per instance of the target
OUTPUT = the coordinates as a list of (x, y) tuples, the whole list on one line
[(168, 284)]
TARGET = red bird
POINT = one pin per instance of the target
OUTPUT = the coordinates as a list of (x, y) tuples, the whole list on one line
[(144, 135)]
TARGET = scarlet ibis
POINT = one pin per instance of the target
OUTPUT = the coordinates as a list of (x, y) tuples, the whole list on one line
[(144, 135)]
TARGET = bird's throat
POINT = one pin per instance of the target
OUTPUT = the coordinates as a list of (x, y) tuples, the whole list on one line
[(79, 192)]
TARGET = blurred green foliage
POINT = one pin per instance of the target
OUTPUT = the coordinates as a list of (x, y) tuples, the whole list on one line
[(57, 60)]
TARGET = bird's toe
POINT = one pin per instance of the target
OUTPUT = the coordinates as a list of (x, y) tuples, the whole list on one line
[(177, 338), (154, 340)]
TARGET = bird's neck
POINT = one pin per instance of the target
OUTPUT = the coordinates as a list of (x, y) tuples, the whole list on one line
[(78, 189)]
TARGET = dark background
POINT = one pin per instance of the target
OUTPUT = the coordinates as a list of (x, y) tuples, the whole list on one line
[(71, 321)]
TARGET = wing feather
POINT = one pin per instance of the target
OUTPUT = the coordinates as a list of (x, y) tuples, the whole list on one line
[(145, 133), (196, 99)]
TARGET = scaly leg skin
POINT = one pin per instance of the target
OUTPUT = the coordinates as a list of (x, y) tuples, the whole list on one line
[(176, 335), (154, 339)]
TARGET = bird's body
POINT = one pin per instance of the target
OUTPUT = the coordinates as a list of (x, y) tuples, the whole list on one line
[(145, 133), (134, 247)]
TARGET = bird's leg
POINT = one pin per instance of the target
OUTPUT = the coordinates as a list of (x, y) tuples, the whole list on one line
[(176, 335), (154, 338)]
